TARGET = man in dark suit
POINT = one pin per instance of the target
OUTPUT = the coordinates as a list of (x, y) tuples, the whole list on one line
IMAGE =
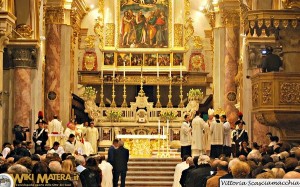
[(120, 159)]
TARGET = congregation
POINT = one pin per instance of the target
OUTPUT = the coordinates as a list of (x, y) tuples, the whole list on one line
[(214, 149), (211, 149)]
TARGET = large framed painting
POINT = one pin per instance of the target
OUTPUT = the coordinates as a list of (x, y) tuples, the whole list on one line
[(144, 23)]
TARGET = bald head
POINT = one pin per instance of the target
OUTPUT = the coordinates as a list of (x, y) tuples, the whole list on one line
[(55, 167), (292, 175), (223, 165), (189, 161)]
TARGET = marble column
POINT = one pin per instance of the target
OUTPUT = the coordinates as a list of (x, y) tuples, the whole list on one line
[(231, 62), (52, 70), (23, 60)]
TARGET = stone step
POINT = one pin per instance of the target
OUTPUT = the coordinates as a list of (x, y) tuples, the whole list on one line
[(153, 163), (177, 160), (149, 183), (150, 173), (149, 178), (151, 168)]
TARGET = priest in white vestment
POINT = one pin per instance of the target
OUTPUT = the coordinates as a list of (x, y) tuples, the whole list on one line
[(198, 126), (93, 136), (178, 171), (207, 137), (56, 128), (107, 176), (217, 137)]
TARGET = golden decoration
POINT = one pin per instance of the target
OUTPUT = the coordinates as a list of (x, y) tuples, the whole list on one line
[(267, 93), (255, 95), (99, 25), (197, 41), (90, 41), (178, 35), (188, 26), (24, 30), (109, 34), (188, 31), (55, 15), (220, 112), (89, 61), (1, 4), (290, 93), (291, 4), (231, 18)]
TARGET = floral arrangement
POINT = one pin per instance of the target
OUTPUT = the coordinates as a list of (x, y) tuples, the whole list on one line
[(168, 115), (89, 92), (195, 94), (114, 115)]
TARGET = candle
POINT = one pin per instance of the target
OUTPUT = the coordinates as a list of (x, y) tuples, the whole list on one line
[(168, 126), (124, 68), (157, 67), (180, 70), (170, 70), (141, 70), (163, 132), (102, 72), (158, 132), (113, 72)]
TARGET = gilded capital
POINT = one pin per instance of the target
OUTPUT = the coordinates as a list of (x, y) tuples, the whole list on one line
[(231, 18), (55, 15)]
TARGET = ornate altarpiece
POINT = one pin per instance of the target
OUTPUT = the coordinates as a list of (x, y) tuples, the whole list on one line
[(131, 48)]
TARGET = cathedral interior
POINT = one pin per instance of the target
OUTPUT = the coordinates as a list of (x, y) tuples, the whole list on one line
[(131, 64)]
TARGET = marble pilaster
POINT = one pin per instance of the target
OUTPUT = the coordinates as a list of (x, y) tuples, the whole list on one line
[(231, 67), (52, 70), (7, 21), (22, 96)]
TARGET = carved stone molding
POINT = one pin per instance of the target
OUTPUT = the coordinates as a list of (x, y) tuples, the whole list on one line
[(291, 4), (275, 100), (22, 57), (231, 18), (25, 31), (178, 35), (55, 15), (255, 95), (290, 93), (267, 93), (109, 34)]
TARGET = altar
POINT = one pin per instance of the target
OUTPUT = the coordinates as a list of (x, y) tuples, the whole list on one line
[(141, 146)]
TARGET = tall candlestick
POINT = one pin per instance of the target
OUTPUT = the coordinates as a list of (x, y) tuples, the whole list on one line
[(158, 127), (168, 126), (157, 67), (170, 70), (124, 69), (180, 69), (141, 70)]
